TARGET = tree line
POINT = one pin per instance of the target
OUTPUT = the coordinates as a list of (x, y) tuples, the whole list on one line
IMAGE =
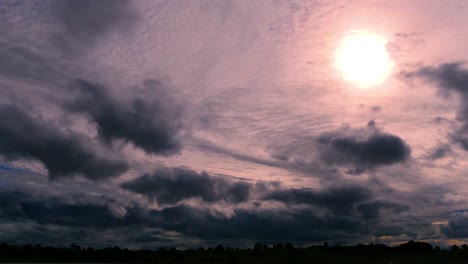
[(259, 253)]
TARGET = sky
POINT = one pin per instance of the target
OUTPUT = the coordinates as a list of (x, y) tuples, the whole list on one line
[(195, 123)]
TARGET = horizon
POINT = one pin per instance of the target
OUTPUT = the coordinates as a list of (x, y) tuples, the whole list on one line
[(270, 245)]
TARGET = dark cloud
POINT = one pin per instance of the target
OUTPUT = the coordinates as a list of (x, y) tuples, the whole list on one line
[(79, 215), (356, 171), (372, 210), (299, 224), (84, 22), (450, 78), (364, 151), (25, 137), (340, 199), (94, 215), (274, 225), (72, 210), (172, 185), (68, 216), (377, 149), (151, 122), (456, 228), (355, 149), (9, 205)]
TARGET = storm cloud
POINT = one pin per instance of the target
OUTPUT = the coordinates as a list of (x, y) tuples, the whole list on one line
[(373, 209), (340, 213), (172, 185), (152, 125), (339, 199), (91, 213), (23, 136), (367, 151), (354, 149), (298, 224), (456, 228), (70, 210)]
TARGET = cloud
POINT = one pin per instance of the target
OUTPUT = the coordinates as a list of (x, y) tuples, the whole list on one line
[(456, 228), (79, 215), (83, 23), (294, 224), (364, 151), (300, 224), (373, 209), (439, 152), (339, 199), (25, 64), (450, 78), (25, 137), (304, 218), (71, 210), (68, 215), (359, 148), (172, 185), (152, 123), (210, 147)]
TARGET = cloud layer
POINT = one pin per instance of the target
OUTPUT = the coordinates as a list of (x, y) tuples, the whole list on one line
[(172, 185), (194, 123)]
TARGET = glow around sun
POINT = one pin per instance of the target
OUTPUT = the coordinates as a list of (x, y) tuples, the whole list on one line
[(363, 59)]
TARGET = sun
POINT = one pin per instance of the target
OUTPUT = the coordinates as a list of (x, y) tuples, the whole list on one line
[(363, 59)]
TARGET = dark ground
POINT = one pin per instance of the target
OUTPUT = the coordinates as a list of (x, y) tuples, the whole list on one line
[(411, 252)]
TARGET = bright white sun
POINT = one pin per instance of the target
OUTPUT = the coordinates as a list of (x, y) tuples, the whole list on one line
[(363, 59)]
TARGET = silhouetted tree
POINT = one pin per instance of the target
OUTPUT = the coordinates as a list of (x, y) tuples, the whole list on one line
[(289, 246), (278, 246), (455, 248), (219, 249), (260, 253), (415, 247), (162, 251), (257, 247)]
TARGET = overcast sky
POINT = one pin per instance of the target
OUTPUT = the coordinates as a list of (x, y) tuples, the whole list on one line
[(187, 123)]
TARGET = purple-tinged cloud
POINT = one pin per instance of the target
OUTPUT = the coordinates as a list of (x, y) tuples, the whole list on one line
[(24, 137), (151, 124), (172, 185), (450, 78)]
